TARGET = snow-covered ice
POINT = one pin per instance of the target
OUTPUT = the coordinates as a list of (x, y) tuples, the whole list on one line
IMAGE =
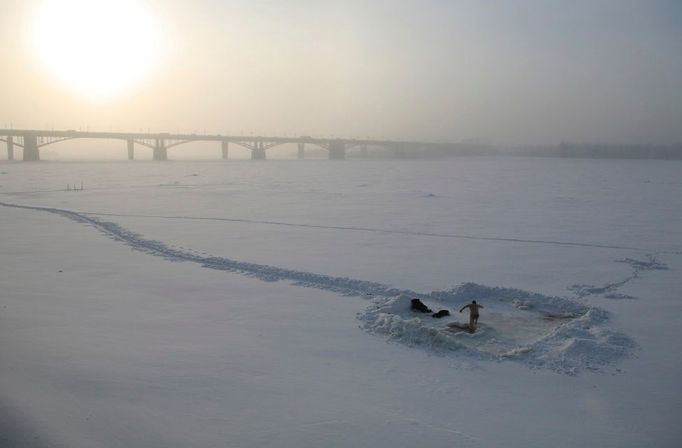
[(107, 346)]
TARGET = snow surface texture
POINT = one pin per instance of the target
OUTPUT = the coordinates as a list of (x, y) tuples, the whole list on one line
[(609, 290), (541, 331)]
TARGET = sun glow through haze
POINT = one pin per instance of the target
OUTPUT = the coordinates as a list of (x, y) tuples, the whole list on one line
[(97, 48)]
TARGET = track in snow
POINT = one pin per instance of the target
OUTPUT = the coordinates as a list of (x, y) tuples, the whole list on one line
[(373, 229), (341, 285), (347, 228)]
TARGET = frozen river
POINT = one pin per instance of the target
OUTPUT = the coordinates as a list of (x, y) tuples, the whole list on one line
[(576, 260)]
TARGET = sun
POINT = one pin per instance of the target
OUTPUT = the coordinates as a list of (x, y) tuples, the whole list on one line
[(97, 48)]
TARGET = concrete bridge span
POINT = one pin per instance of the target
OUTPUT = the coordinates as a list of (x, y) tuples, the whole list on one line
[(31, 140)]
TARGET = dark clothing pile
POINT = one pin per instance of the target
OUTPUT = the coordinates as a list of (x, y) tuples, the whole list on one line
[(418, 305)]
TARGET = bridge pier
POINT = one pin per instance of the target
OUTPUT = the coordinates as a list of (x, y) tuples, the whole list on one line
[(160, 151), (10, 147), (224, 146), (131, 149), (301, 150), (258, 153), (337, 150), (31, 153)]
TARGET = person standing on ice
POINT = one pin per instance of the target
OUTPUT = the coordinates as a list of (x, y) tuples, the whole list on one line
[(473, 314)]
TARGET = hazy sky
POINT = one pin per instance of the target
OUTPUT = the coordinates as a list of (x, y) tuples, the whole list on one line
[(498, 71)]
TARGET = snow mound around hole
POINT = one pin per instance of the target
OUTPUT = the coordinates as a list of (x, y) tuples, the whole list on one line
[(537, 330)]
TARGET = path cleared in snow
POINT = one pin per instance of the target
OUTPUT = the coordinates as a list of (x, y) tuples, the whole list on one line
[(540, 331)]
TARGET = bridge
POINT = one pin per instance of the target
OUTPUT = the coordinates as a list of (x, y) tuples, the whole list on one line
[(32, 140)]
